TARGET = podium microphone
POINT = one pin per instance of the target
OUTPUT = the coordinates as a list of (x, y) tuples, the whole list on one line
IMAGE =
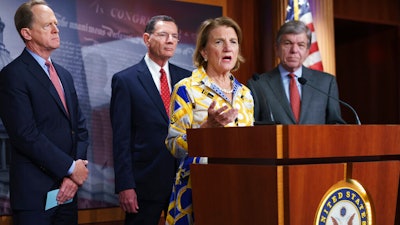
[(264, 99), (303, 81)]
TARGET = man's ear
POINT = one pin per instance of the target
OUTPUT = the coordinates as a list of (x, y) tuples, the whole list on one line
[(146, 37), (26, 33)]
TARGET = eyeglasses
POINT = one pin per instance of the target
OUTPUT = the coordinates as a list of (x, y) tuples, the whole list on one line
[(165, 36)]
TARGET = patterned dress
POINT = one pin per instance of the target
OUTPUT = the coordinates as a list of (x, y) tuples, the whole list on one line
[(190, 101)]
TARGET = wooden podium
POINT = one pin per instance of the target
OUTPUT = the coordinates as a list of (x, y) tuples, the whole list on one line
[(278, 174)]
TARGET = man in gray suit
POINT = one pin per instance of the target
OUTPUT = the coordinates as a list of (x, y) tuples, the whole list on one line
[(271, 89)]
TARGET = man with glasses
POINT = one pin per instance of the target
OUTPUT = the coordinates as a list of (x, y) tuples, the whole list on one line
[(144, 168)]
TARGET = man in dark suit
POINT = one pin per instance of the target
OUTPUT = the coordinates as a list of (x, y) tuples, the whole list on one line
[(144, 168), (49, 140), (271, 90)]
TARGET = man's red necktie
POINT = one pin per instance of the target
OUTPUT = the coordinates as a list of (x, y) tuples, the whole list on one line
[(56, 82), (294, 97), (165, 94)]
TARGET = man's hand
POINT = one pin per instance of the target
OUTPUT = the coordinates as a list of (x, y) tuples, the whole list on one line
[(80, 173), (128, 201), (67, 190)]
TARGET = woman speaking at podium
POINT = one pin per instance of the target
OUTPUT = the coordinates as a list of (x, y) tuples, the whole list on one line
[(211, 97)]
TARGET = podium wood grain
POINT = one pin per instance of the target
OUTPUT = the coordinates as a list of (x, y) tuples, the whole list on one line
[(279, 174)]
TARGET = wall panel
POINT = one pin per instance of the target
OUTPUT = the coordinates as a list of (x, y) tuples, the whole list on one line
[(383, 11)]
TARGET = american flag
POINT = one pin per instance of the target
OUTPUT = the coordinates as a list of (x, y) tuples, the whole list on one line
[(300, 10)]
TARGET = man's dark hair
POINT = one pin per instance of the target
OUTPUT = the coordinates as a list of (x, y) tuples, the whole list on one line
[(152, 22)]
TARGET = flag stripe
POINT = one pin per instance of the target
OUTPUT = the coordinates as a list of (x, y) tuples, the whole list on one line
[(314, 47), (317, 66), (306, 18), (313, 58), (311, 27)]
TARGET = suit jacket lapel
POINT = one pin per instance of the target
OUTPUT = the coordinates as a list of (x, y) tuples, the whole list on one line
[(173, 72), (37, 71), (147, 82), (275, 84), (306, 93)]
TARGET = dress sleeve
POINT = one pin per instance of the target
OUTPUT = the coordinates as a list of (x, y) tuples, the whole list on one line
[(181, 109)]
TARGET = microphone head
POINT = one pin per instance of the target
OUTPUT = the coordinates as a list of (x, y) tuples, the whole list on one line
[(302, 80), (256, 76)]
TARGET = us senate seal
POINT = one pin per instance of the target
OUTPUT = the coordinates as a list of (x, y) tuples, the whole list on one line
[(345, 203)]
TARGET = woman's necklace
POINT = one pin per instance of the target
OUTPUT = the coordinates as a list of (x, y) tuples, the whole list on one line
[(226, 91)]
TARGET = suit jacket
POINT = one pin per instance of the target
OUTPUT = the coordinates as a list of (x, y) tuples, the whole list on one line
[(45, 140), (272, 105), (140, 126)]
